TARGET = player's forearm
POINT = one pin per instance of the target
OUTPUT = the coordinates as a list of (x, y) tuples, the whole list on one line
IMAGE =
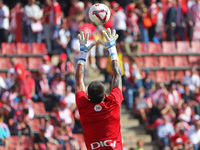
[(116, 80), (79, 77)]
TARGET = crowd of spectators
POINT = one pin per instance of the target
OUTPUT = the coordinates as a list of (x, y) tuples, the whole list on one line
[(55, 87), (174, 109)]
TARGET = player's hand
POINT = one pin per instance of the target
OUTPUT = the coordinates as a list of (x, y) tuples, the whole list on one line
[(83, 42), (84, 49), (111, 38)]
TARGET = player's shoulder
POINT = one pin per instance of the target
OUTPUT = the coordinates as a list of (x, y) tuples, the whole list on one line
[(81, 97), (116, 91), (116, 95)]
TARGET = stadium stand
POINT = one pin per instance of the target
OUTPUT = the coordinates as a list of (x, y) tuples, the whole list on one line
[(23, 48), (8, 48)]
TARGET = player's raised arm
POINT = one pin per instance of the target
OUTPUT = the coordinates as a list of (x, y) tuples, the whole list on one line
[(80, 68), (111, 46)]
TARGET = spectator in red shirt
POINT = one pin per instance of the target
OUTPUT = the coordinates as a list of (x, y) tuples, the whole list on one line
[(179, 141), (73, 8), (48, 22), (13, 19), (57, 15), (30, 86), (20, 76)]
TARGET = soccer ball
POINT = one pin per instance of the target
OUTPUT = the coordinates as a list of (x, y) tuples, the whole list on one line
[(99, 14)]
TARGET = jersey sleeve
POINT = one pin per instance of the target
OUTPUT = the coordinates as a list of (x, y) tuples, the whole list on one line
[(116, 95), (81, 99)]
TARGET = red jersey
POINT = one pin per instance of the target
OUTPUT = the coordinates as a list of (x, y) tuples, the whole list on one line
[(89, 28), (47, 9), (57, 11), (30, 85), (21, 71), (179, 140), (153, 11), (101, 122)]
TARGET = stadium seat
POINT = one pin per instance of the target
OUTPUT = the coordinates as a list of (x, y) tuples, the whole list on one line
[(56, 147), (177, 75), (183, 46), (26, 142), (140, 61), (195, 46), (39, 48), (162, 76), (39, 109), (103, 62), (23, 48), (8, 48), (13, 143), (5, 63), (150, 61), (126, 59), (194, 60), (152, 75), (180, 61), (34, 62), (154, 47), (142, 47), (22, 60), (35, 124), (168, 47), (165, 61)]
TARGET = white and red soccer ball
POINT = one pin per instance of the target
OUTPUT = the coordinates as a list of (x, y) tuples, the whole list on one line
[(99, 14)]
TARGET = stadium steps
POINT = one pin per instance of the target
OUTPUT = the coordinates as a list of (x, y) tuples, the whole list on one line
[(132, 131)]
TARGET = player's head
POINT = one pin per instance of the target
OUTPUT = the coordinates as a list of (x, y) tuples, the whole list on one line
[(96, 92)]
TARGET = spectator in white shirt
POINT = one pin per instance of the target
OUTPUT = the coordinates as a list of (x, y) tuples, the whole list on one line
[(70, 98), (4, 22), (9, 81), (62, 38), (34, 15), (195, 80), (120, 23), (2, 84), (194, 133), (165, 132)]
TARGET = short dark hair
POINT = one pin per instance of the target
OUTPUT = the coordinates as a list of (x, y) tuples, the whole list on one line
[(96, 92)]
